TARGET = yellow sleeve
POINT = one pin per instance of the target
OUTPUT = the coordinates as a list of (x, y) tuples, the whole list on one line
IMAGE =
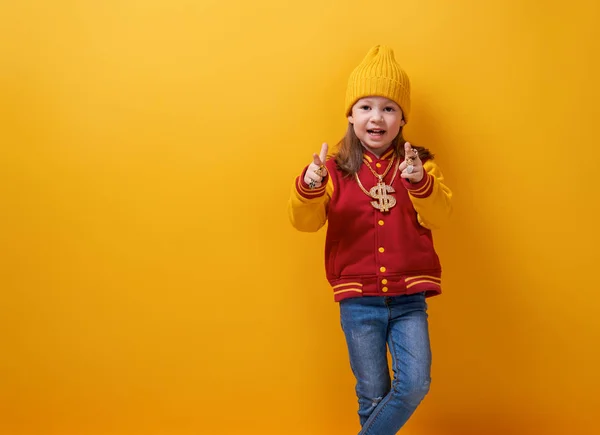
[(431, 198), (307, 209)]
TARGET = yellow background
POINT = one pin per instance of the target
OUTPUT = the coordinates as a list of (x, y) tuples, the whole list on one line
[(150, 280)]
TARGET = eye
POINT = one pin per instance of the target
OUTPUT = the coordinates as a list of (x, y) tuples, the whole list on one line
[(365, 107), (389, 109)]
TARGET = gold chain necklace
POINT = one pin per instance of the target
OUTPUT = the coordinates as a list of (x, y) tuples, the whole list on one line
[(384, 202)]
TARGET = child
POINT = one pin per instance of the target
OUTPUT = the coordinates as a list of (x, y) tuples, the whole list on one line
[(381, 197)]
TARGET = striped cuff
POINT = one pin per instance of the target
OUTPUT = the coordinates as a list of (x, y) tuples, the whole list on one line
[(423, 283), (422, 189), (347, 287)]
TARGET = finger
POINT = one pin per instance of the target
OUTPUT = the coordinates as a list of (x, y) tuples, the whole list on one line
[(313, 184), (416, 175), (410, 152), (407, 149), (319, 171), (317, 160), (410, 161), (323, 153), (415, 169), (313, 176)]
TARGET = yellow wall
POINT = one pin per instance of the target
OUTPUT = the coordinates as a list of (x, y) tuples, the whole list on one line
[(151, 283)]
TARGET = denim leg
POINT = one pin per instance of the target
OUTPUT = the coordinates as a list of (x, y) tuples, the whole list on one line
[(408, 341), (365, 325)]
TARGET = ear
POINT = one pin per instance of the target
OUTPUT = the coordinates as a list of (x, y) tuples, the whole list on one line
[(350, 119), (402, 123)]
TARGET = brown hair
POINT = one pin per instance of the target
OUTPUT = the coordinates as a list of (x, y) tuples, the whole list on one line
[(349, 156)]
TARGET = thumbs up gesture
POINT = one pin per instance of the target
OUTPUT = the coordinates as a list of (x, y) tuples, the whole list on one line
[(411, 167), (316, 171)]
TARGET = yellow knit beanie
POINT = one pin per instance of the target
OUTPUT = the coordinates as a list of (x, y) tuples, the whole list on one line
[(379, 75)]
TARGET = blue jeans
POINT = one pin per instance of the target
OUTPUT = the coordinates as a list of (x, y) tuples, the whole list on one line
[(400, 322)]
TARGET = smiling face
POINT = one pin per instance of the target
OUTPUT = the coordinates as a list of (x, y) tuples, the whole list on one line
[(376, 122)]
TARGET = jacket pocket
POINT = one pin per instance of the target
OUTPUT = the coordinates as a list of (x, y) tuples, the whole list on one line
[(331, 263)]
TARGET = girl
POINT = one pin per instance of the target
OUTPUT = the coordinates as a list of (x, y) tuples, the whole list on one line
[(381, 197)]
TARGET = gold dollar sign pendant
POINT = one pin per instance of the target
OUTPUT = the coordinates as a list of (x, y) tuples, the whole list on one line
[(380, 192)]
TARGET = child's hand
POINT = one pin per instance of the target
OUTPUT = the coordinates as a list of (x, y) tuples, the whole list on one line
[(411, 167), (316, 170)]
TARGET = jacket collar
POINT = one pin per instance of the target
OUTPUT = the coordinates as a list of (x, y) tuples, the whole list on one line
[(370, 157)]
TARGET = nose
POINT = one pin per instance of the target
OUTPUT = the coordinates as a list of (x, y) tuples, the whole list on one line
[(376, 115)]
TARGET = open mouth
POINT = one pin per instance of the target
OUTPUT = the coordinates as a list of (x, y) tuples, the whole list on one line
[(376, 132)]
